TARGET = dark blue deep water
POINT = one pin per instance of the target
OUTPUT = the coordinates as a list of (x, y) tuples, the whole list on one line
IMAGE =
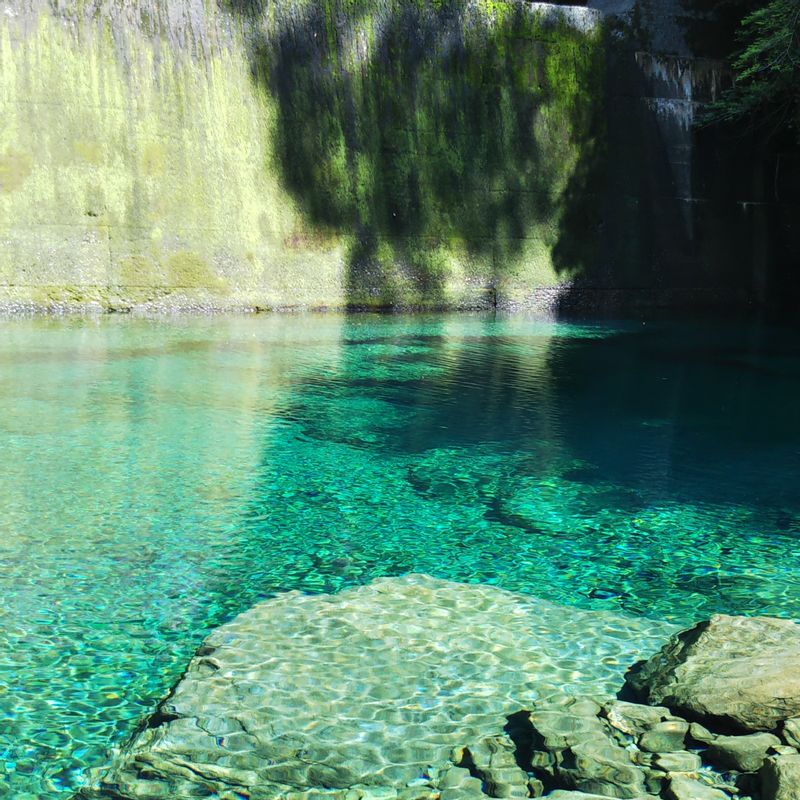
[(161, 475)]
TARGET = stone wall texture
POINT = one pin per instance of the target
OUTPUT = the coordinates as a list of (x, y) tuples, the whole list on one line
[(368, 153)]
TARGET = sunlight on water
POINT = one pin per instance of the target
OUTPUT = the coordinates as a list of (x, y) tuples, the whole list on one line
[(160, 476)]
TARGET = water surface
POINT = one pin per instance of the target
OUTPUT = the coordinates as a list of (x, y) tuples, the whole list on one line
[(160, 476)]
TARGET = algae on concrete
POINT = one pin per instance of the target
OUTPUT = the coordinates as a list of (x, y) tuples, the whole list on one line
[(374, 153)]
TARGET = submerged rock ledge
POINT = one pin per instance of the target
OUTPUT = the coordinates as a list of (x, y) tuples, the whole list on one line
[(422, 689)]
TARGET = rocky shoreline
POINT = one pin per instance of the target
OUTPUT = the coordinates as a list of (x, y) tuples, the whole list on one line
[(714, 715)]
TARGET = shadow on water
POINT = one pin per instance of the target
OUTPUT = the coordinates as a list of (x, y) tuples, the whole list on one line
[(697, 412), (427, 133), (647, 469)]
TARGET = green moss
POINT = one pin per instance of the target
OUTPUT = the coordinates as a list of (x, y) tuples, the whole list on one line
[(15, 167), (92, 152), (137, 271), (360, 151), (460, 124), (187, 270)]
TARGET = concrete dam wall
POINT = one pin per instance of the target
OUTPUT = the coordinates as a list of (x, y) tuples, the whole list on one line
[(355, 153)]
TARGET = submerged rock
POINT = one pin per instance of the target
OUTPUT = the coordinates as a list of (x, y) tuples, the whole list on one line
[(665, 737), (780, 778), (699, 735), (369, 691), (573, 747), (681, 787), (494, 760), (736, 672), (633, 718), (790, 731), (420, 689), (742, 753), (566, 794), (677, 762)]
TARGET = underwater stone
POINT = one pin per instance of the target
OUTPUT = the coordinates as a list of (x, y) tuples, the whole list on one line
[(633, 718), (700, 735), (790, 731), (742, 753), (734, 672), (780, 778), (563, 794), (374, 686), (495, 760), (458, 784), (597, 766), (782, 750), (582, 752), (677, 762), (665, 737), (683, 788), (535, 788)]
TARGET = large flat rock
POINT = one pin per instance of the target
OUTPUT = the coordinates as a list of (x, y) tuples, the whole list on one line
[(370, 687), (741, 673)]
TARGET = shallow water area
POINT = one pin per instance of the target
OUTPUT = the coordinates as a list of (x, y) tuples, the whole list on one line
[(162, 475), (375, 686)]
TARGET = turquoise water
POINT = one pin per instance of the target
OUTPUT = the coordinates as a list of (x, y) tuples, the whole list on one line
[(161, 475)]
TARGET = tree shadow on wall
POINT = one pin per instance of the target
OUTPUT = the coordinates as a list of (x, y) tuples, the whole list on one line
[(436, 136)]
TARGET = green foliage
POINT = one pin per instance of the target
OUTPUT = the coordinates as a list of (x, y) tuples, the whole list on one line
[(767, 84)]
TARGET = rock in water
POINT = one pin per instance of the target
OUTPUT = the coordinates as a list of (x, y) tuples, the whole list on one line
[(683, 788), (635, 719), (367, 693), (742, 753), (791, 732), (736, 672), (579, 750), (665, 737), (780, 778), (564, 794)]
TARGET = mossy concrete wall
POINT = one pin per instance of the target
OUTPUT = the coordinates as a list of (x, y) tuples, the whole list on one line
[(176, 153)]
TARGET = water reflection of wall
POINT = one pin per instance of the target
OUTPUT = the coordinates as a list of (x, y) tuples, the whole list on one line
[(401, 457), (129, 449), (687, 412)]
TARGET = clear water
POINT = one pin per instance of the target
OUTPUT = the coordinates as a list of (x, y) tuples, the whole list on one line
[(159, 476)]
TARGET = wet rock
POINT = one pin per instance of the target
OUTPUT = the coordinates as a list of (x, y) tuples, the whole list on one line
[(742, 753), (677, 762), (577, 750), (535, 788), (371, 686), (782, 750), (601, 768), (665, 737), (633, 718), (683, 788), (562, 725), (494, 760), (566, 794), (734, 672), (780, 778), (700, 735), (790, 731), (655, 781), (458, 784)]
